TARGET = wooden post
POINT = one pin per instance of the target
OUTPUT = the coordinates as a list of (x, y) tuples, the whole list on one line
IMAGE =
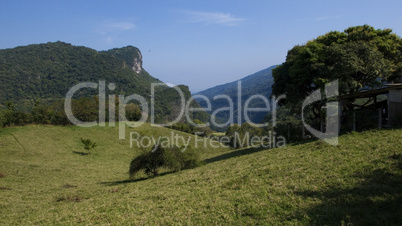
[(321, 126), (354, 121), (380, 118), (340, 115)]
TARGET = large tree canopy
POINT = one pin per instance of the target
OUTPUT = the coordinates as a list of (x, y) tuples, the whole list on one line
[(359, 57)]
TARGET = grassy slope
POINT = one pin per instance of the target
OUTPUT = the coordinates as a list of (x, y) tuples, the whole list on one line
[(359, 181)]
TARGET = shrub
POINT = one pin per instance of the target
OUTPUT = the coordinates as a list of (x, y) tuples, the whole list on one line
[(203, 131), (181, 126), (88, 144), (170, 157)]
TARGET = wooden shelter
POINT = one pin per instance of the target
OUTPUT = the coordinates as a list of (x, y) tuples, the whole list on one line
[(389, 111)]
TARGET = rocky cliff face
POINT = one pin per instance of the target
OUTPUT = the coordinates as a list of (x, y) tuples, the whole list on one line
[(137, 63), (131, 55)]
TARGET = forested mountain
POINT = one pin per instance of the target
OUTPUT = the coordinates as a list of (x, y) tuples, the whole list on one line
[(46, 72), (42, 71), (258, 83)]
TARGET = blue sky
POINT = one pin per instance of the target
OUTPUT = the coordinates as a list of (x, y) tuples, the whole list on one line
[(197, 43)]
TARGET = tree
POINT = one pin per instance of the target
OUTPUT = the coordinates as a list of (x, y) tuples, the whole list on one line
[(169, 157), (86, 109), (2, 119), (359, 57), (133, 112), (232, 129), (40, 113), (9, 114), (287, 124)]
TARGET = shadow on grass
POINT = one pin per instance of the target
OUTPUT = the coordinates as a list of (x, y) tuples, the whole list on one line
[(376, 201), (114, 183), (251, 150), (245, 151), (80, 153)]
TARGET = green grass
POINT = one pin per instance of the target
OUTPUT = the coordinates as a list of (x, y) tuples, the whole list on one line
[(46, 182)]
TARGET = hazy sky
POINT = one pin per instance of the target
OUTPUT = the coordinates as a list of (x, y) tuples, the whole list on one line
[(197, 43)]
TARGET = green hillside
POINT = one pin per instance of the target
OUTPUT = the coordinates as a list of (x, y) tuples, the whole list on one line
[(46, 181)]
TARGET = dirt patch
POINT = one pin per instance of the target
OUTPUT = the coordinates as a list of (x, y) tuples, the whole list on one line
[(114, 190), (5, 188), (74, 198), (69, 186)]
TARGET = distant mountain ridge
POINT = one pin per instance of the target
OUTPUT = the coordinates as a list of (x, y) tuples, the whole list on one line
[(259, 83)]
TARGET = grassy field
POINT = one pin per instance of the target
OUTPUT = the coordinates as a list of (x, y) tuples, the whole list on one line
[(47, 180)]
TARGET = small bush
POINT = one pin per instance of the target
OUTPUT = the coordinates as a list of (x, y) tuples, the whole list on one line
[(172, 158), (88, 144)]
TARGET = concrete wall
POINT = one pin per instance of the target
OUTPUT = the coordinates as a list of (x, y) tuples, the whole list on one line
[(395, 107)]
